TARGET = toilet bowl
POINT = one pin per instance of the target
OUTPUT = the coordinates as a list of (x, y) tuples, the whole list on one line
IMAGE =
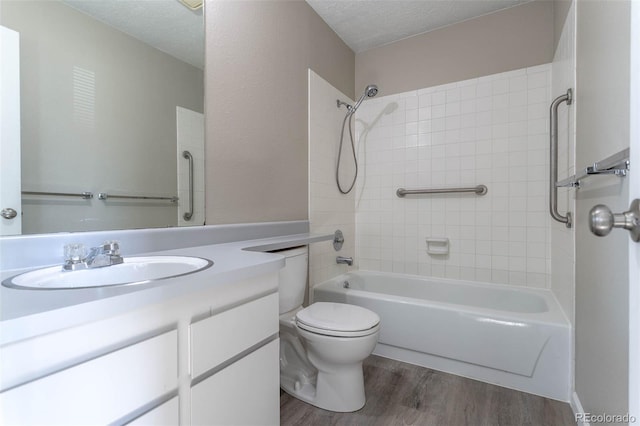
[(322, 346)]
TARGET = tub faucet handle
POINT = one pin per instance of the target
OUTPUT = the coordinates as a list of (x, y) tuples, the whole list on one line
[(345, 260)]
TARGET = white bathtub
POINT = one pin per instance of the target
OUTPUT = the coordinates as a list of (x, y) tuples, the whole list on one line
[(513, 337)]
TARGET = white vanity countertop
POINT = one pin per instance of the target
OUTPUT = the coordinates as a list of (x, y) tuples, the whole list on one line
[(26, 313)]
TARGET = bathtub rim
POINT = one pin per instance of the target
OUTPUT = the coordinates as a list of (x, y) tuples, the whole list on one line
[(554, 316)]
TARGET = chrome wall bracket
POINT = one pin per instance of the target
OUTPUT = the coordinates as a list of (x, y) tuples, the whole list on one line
[(618, 165)]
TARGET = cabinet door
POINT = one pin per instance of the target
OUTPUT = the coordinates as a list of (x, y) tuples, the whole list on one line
[(99, 391), (244, 393)]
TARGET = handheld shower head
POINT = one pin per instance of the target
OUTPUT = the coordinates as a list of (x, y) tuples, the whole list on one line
[(370, 91)]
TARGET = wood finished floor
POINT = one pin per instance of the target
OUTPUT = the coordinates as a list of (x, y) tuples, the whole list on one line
[(404, 394)]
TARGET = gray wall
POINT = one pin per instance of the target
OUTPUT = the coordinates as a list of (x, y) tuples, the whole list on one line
[(514, 38), (560, 12), (98, 114), (256, 113), (258, 54), (602, 128)]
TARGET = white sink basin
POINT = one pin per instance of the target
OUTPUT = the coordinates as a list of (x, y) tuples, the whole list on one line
[(134, 270)]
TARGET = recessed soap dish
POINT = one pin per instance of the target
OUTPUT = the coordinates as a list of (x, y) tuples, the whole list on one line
[(438, 246)]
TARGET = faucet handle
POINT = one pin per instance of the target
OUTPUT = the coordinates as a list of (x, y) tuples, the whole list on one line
[(74, 257), (111, 247), (74, 252)]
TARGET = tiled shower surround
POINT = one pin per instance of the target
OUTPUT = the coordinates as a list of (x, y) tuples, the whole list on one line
[(562, 238), (491, 130), (328, 208)]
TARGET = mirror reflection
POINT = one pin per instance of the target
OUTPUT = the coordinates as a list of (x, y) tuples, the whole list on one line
[(111, 96)]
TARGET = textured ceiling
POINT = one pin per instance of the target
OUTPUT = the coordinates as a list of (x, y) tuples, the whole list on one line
[(166, 25), (362, 24), (365, 24)]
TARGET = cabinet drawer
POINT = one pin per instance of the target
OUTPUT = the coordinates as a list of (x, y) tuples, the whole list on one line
[(246, 392), (222, 336), (99, 391), (165, 414)]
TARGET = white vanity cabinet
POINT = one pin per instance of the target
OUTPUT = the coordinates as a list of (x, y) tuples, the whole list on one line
[(235, 366), (243, 393), (207, 358), (163, 415), (99, 391)]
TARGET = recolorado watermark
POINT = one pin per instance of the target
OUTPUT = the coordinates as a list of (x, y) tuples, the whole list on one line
[(604, 418)]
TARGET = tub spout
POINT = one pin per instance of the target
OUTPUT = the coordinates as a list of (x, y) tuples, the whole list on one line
[(347, 260)]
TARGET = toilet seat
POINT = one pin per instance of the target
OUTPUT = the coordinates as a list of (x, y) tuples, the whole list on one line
[(338, 319)]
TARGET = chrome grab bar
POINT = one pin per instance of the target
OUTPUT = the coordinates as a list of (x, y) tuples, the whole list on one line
[(478, 190), (84, 195), (553, 152), (104, 196), (188, 215)]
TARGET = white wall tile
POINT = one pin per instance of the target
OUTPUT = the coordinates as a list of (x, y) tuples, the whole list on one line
[(562, 248), (328, 208), (491, 131)]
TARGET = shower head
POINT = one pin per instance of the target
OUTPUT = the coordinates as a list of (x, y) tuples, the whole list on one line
[(370, 91)]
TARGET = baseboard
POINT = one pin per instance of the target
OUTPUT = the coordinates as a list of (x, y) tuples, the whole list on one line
[(576, 406)]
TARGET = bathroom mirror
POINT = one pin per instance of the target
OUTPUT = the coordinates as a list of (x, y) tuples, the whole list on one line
[(111, 95)]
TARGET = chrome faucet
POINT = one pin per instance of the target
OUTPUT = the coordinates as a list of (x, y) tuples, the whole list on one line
[(346, 260), (106, 254)]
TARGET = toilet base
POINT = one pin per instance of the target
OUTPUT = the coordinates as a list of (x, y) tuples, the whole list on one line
[(334, 387), (321, 370), (341, 394)]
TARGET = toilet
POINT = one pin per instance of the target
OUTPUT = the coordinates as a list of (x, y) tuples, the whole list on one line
[(323, 345)]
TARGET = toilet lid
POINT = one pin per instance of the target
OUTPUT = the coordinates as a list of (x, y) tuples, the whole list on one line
[(327, 317)]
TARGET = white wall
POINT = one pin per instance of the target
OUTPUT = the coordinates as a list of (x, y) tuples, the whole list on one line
[(10, 131), (562, 238), (490, 130), (603, 32), (328, 208)]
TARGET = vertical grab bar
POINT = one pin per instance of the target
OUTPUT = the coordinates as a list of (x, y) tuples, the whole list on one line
[(188, 156), (553, 152)]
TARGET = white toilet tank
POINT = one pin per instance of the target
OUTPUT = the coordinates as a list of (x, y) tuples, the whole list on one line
[(293, 278)]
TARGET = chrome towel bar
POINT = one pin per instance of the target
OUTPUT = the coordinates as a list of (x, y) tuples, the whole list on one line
[(104, 196), (618, 164), (478, 190), (84, 195), (553, 153), (101, 196)]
